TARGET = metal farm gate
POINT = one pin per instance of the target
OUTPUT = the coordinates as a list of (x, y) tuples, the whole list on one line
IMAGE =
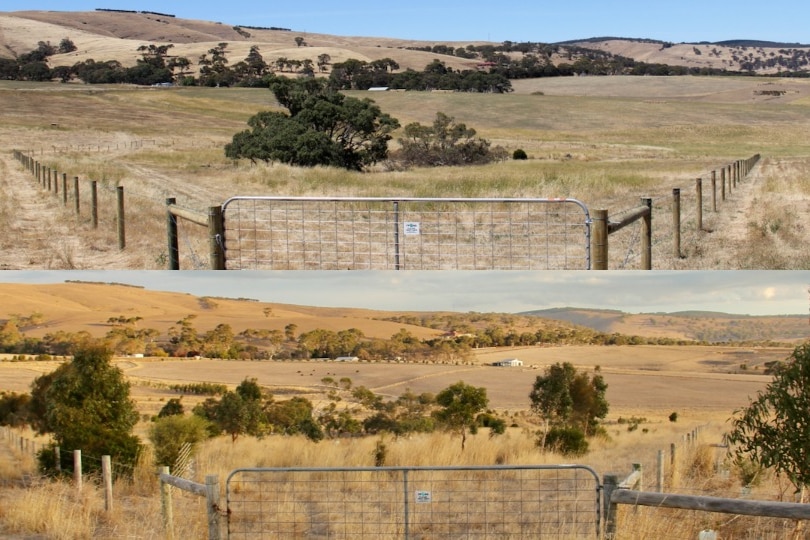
[(371, 233), (500, 502)]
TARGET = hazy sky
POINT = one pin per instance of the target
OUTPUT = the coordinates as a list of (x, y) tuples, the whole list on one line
[(527, 20), (743, 292)]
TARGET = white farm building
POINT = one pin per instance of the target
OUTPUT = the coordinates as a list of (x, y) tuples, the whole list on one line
[(509, 362)]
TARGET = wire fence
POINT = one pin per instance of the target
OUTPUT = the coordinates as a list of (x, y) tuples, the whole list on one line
[(312, 233), (560, 501)]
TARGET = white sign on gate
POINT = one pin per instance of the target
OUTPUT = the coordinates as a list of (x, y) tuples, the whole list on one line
[(423, 497), (412, 228)]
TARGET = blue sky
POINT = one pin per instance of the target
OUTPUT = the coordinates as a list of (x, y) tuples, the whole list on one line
[(473, 20), (742, 292)]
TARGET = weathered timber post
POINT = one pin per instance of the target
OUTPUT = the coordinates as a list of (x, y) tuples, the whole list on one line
[(699, 193), (171, 230), (106, 477), (599, 240), (729, 180), (77, 470), (714, 191), (57, 456), (610, 483), (64, 189), (122, 235), (676, 222), (646, 235), (212, 498), (723, 182), (47, 179), (94, 203), (55, 183), (659, 484), (76, 193), (216, 235), (166, 504)]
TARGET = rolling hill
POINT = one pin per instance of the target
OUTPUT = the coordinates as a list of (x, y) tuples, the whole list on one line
[(113, 35)]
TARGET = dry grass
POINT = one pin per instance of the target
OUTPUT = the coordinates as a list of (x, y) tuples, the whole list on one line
[(55, 510), (601, 140)]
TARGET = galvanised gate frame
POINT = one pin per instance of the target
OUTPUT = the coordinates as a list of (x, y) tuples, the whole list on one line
[(384, 233), (470, 502)]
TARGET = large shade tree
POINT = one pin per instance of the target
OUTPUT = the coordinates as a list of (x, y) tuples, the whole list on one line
[(320, 127)]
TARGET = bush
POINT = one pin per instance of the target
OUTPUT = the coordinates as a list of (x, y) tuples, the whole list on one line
[(519, 154), (567, 441), (170, 433)]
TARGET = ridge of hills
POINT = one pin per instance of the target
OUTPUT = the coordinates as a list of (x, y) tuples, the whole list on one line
[(75, 306), (116, 35)]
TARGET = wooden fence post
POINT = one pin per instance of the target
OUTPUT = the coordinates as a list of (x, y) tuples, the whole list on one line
[(122, 235), (171, 228), (166, 504), (599, 240), (55, 183), (106, 477), (714, 191), (64, 189), (57, 456), (212, 498), (699, 193), (76, 193), (77, 470), (94, 203), (646, 235), (729, 179), (660, 479), (723, 183), (216, 236), (676, 222), (610, 483)]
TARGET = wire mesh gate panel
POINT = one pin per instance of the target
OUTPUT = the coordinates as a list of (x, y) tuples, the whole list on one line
[(313, 233), (414, 502)]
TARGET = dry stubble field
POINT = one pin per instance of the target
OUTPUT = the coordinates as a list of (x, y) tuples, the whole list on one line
[(607, 141)]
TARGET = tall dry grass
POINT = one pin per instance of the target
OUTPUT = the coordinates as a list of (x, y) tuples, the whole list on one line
[(56, 510)]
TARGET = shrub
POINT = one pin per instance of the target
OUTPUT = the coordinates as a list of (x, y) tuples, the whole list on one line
[(519, 154), (567, 441)]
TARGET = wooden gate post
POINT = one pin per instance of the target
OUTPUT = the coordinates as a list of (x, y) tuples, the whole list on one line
[(216, 236), (599, 240), (212, 498), (77, 470)]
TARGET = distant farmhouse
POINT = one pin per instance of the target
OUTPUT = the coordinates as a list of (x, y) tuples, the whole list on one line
[(509, 362)]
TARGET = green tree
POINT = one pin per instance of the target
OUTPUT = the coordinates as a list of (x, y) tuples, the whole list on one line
[(774, 430), (460, 403), (564, 398), (322, 127), (445, 143), (85, 405)]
